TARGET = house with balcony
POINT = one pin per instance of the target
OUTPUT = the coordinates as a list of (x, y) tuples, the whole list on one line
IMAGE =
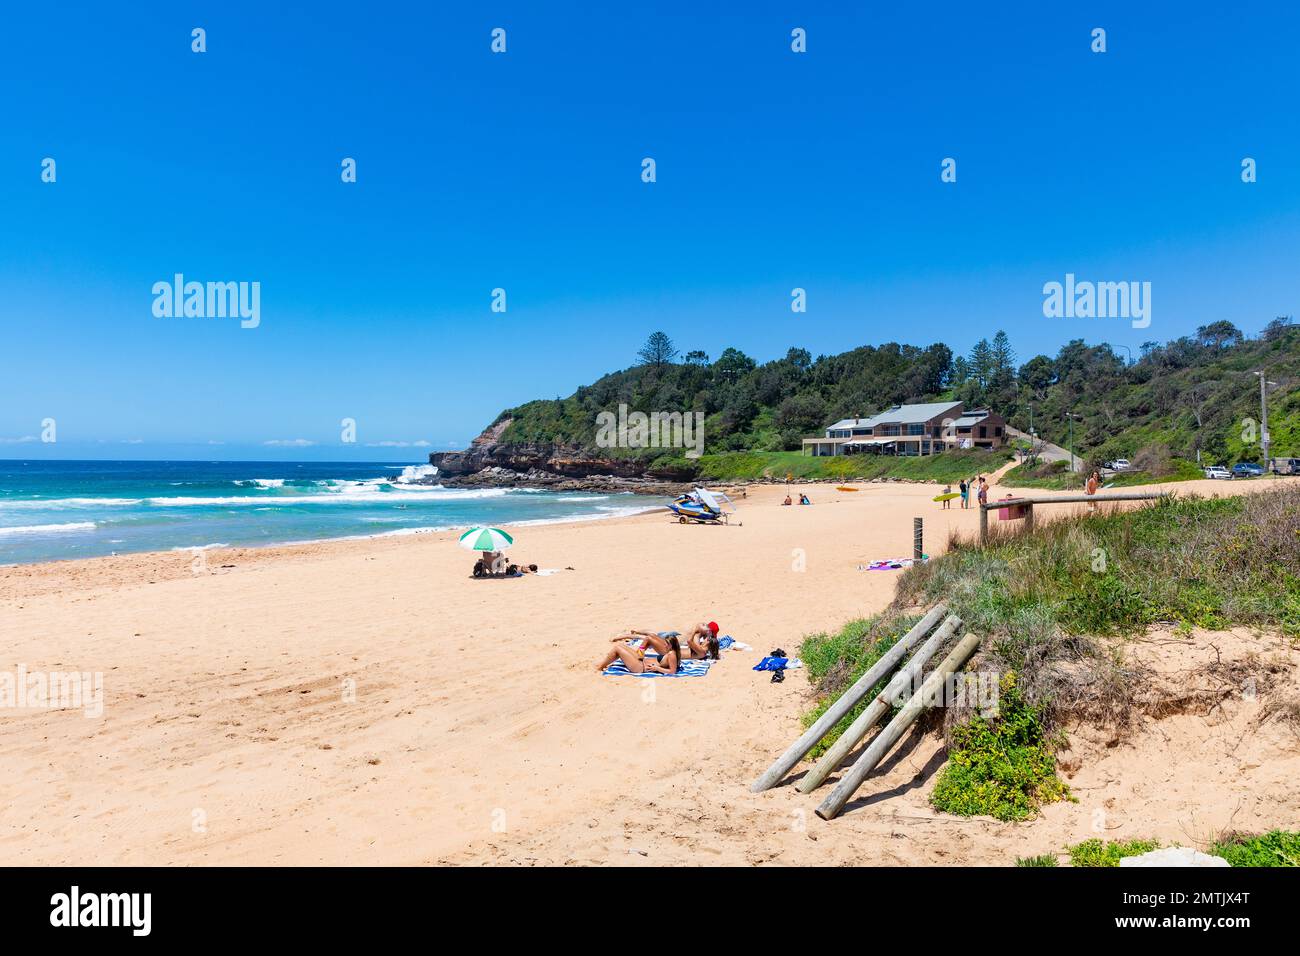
[(924, 429)]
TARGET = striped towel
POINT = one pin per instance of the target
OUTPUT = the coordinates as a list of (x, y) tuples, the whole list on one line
[(685, 669)]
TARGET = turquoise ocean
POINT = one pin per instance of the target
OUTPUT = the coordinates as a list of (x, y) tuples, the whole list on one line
[(53, 510)]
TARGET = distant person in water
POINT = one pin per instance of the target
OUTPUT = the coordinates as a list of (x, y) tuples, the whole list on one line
[(634, 659)]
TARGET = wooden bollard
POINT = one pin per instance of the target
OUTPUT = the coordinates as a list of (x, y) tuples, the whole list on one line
[(917, 551), (861, 687), (877, 709), (893, 732)]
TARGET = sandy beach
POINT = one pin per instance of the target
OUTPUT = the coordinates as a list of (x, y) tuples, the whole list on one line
[(367, 702)]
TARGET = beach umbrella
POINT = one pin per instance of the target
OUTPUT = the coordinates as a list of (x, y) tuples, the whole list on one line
[(485, 539)]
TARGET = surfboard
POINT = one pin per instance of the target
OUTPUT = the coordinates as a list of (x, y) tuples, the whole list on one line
[(948, 497), (844, 488)]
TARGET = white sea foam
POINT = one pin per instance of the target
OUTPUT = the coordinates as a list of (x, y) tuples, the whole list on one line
[(49, 528), (49, 503), (356, 495), (412, 472), (348, 492), (582, 497)]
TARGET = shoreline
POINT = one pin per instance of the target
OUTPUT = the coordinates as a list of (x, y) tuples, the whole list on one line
[(153, 562)]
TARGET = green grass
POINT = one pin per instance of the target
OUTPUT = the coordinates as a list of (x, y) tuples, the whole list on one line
[(752, 465), (834, 661), (1197, 562), (1276, 848), (1040, 599), (1003, 766), (1055, 476), (1043, 859), (1096, 853)]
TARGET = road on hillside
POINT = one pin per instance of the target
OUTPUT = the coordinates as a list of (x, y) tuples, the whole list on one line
[(1048, 452)]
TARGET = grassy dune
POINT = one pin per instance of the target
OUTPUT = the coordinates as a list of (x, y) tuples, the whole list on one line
[(1044, 599), (752, 465)]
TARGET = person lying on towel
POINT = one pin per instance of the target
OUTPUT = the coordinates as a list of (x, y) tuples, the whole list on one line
[(634, 659), (701, 641)]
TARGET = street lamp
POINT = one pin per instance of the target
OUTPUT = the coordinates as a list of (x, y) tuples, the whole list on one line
[(1264, 385), (1072, 416)]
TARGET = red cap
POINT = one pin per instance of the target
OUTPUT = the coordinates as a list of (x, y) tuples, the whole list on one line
[(713, 626)]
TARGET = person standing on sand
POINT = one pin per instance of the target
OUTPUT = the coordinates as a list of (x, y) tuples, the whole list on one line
[(984, 491), (965, 493), (1094, 481), (947, 490)]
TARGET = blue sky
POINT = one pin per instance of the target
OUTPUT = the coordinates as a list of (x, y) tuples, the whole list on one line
[(522, 171)]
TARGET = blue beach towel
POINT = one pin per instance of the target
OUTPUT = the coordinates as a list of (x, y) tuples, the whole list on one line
[(685, 669)]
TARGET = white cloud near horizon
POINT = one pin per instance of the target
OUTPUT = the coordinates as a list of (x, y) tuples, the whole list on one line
[(289, 442), (19, 441)]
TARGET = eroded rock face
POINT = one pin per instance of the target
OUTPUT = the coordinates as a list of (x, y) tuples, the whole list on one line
[(489, 461), (496, 476)]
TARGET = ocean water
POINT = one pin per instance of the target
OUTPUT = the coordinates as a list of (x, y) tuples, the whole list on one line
[(53, 510)]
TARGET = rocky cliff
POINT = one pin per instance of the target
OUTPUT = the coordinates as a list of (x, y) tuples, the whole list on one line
[(489, 461)]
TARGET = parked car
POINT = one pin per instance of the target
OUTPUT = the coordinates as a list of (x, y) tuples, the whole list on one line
[(1119, 464), (1247, 469), (1285, 466), (1217, 471)]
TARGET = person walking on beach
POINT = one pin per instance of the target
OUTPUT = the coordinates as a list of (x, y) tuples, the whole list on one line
[(965, 493), (947, 502), (1094, 481)]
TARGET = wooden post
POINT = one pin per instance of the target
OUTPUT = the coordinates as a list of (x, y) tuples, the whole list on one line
[(877, 709), (795, 752), (1029, 516), (892, 733), (984, 524), (916, 539)]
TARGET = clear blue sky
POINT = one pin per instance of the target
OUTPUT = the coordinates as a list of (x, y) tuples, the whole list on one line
[(522, 170)]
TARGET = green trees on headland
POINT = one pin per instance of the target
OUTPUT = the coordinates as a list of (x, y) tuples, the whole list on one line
[(1193, 393)]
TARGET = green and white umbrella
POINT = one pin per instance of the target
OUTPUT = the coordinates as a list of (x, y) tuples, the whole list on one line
[(485, 539)]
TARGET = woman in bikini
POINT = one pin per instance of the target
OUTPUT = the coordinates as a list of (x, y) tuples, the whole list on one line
[(669, 650), (701, 642)]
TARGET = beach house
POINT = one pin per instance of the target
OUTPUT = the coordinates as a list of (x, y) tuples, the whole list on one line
[(925, 429)]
